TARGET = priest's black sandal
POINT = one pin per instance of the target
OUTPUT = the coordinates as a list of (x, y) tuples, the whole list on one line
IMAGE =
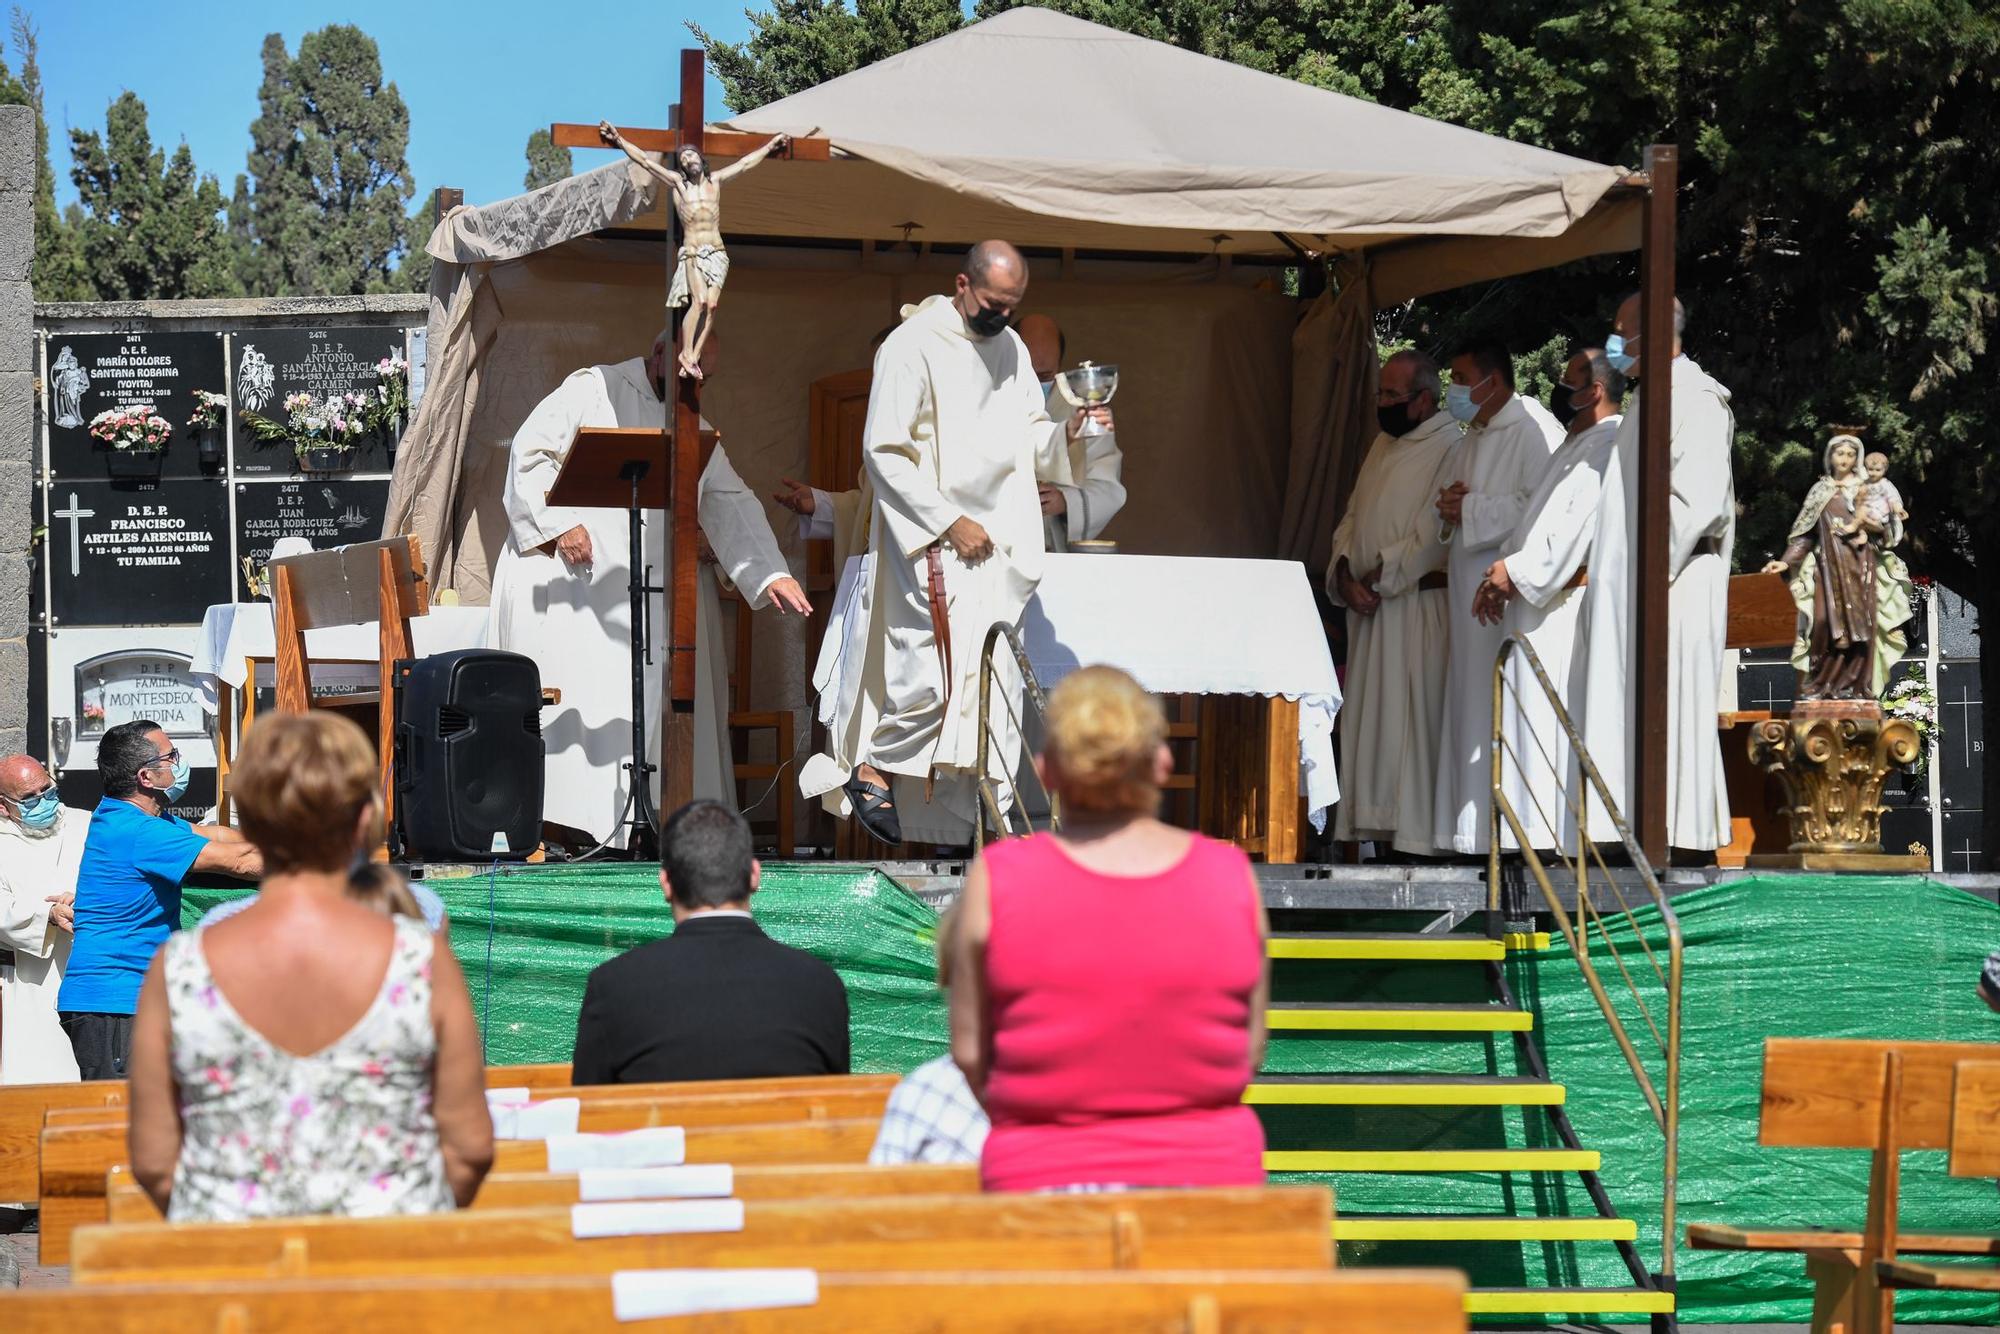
[(874, 808)]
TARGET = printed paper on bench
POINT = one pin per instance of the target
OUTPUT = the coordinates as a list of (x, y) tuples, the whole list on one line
[(652, 1219), (659, 1146), (536, 1120), (649, 1294), (508, 1097), (697, 1181)]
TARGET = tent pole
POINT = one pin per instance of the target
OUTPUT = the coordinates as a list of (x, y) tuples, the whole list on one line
[(1649, 658)]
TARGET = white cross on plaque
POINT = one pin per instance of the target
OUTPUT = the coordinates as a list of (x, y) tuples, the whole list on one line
[(76, 516)]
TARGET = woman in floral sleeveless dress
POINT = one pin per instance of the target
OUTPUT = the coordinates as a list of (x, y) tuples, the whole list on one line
[(307, 1055)]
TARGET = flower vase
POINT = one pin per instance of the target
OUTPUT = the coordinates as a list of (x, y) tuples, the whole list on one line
[(208, 445), (327, 458), (141, 463)]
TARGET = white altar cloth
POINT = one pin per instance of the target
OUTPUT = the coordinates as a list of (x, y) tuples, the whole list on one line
[(234, 631), (1180, 625)]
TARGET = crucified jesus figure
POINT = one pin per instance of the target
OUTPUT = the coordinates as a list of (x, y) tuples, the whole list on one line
[(702, 265)]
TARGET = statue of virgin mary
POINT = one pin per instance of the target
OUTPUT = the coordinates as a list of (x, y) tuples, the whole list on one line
[(1853, 598)]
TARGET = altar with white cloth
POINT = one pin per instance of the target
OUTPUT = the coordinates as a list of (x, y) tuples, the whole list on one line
[(1243, 634), (234, 633)]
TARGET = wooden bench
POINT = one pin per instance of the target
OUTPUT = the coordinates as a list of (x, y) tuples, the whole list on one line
[(1277, 1228), (77, 1158), (1370, 1301), (23, 1107), (1884, 1096), (127, 1203), (1975, 1152)]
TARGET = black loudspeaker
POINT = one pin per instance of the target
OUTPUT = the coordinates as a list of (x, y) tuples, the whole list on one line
[(468, 756)]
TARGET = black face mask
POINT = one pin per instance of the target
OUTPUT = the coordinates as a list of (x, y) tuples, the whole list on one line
[(1560, 405), (986, 321), (1394, 418)]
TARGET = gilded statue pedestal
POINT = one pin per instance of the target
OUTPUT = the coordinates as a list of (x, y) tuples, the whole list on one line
[(1832, 757)]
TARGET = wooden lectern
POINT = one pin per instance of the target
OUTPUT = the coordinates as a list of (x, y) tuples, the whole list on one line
[(628, 468)]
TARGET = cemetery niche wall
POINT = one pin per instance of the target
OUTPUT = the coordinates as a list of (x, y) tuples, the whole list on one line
[(162, 511)]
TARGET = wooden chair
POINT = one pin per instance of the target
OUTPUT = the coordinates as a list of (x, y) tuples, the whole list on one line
[(77, 1158), (1883, 1096), (1370, 1301), (126, 1203), (1276, 1228), (745, 722), (1975, 1152), (381, 582)]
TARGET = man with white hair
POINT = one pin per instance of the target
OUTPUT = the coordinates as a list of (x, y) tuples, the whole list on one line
[(561, 592), (1387, 570), (41, 846)]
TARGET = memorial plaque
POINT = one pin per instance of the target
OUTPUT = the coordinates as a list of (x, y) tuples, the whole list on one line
[(137, 553), (118, 687), (328, 512), (83, 789), (95, 372), (272, 363)]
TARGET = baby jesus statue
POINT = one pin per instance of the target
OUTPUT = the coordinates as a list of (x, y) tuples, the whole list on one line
[(702, 265), (1878, 510)]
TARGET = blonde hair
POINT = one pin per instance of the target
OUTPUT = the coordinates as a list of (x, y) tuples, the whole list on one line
[(1104, 733), (302, 783)]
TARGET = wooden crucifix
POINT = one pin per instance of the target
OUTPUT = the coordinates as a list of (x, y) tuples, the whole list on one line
[(686, 128)]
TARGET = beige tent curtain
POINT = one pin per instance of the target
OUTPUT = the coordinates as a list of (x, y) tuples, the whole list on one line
[(1335, 366)]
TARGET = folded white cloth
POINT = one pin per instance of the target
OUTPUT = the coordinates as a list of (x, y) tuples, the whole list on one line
[(649, 1294), (535, 1120), (698, 1180), (660, 1146), (652, 1218)]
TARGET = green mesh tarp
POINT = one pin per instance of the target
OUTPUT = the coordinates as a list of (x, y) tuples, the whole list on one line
[(528, 937), (1767, 956)]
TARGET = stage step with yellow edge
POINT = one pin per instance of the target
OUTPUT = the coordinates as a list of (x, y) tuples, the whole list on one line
[(1402, 946), (1431, 1160), (1401, 1091), (1420, 1017), (1481, 1227), (1568, 1301)]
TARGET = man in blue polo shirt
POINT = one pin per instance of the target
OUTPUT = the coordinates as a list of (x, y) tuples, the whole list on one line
[(128, 889)]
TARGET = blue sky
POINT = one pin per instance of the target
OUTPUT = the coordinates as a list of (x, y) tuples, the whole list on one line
[(478, 77)]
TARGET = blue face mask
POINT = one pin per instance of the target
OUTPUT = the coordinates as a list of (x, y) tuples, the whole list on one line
[(1617, 352), (1458, 401), (40, 811), (178, 788)]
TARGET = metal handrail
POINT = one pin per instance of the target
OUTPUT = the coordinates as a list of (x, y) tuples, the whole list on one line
[(1663, 1102), (1038, 700)]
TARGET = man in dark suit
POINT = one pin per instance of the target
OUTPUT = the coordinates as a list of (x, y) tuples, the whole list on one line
[(717, 999)]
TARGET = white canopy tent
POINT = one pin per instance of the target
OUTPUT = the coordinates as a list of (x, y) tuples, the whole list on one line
[(1151, 193)]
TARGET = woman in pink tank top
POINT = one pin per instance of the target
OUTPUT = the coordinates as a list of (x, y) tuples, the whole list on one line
[(1110, 979)]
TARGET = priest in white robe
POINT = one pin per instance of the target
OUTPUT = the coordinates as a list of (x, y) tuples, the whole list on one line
[(956, 429), (1536, 591), (1083, 487), (1701, 538), (1508, 440), (41, 846), (561, 596), (1387, 570)]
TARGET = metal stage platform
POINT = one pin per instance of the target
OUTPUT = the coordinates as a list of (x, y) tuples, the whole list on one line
[(1451, 893)]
